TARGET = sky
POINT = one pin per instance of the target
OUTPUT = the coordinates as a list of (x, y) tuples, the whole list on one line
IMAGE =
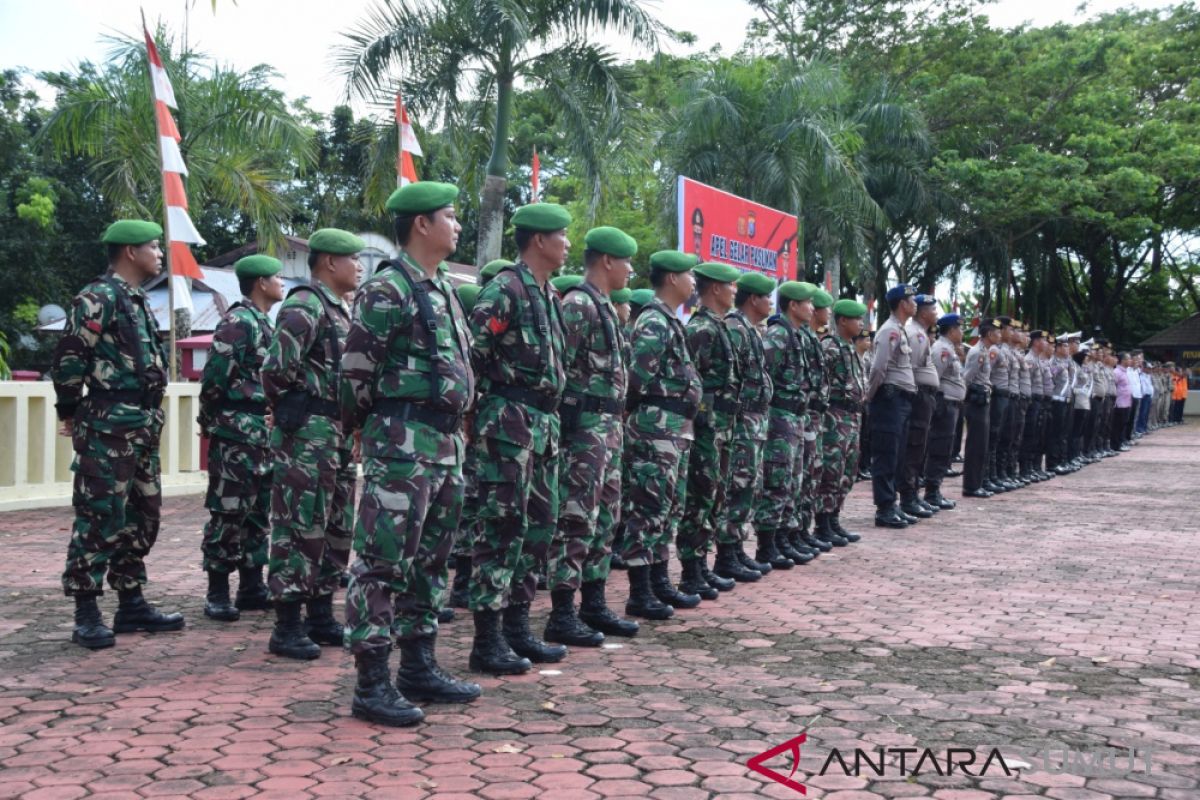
[(298, 37)]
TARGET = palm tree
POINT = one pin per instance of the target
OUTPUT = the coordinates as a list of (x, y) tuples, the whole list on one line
[(458, 55)]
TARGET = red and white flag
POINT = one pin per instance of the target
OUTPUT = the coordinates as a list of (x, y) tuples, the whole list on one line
[(180, 230), (537, 176), (406, 170)]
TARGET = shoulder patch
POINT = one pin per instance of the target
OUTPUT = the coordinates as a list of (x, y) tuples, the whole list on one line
[(497, 326)]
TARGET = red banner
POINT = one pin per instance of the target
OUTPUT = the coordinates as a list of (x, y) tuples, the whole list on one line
[(719, 226)]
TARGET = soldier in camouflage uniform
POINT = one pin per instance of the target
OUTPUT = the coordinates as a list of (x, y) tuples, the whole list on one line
[(517, 351), (814, 422), (233, 412), (312, 493), (663, 400), (111, 348), (847, 393), (592, 437), (406, 382)]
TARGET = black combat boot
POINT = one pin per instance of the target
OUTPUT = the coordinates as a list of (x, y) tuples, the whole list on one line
[(446, 616), (807, 538), (823, 531), (789, 545), (933, 496), (889, 517), (739, 552), (564, 625), (522, 640), (289, 639), (375, 697), (596, 614), (835, 525), (912, 508), (713, 579), (769, 552), (660, 584), (728, 565), (320, 625), (642, 602), (421, 680), (216, 602), (90, 630), (252, 594), (135, 614), (693, 581), (460, 594), (490, 652)]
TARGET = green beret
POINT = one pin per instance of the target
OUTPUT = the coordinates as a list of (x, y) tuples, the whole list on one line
[(564, 282), (822, 299), (541, 217), (422, 197), (257, 266), (132, 231), (673, 261), (621, 295), (849, 308), (797, 290), (335, 241), (756, 283), (492, 268), (721, 273), (640, 297), (467, 294), (611, 241)]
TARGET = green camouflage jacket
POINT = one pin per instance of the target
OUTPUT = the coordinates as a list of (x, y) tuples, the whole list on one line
[(814, 356), (661, 366), (595, 357), (720, 373), (232, 372), (747, 344), (783, 351), (843, 373)]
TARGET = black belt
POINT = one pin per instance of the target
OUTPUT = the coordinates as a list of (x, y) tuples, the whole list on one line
[(725, 405), (676, 405), (543, 402), (148, 399), (441, 421), (258, 407), (795, 406), (587, 403), (324, 408), (923, 389), (846, 405)]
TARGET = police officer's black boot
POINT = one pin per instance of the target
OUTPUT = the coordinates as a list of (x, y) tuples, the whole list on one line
[(835, 525), (642, 602), (596, 614), (889, 517), (769, 552), (822, 530), (90, 630), (522, 640), (375, 697), (135, 614), (216, 603), (252, 594), (910, 506), (693, 581), (729, 566), (422, 680), (934, 497), (320, 625), (713, 579), (490, 652), (564, 625), (739, 552), (660, 584), (460, 589), (289, 640)]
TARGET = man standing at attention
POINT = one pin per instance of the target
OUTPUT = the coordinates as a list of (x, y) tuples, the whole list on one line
[(891, 389)]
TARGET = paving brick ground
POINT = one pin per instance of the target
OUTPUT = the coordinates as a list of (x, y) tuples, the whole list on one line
[(1064, 612)]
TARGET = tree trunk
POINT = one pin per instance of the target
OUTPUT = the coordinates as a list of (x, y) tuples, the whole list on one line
[(491, 200), (833, 274)]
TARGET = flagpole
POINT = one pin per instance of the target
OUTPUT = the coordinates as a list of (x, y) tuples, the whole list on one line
[(174, 369)]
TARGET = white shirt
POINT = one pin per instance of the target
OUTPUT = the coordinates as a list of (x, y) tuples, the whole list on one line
[(1135, 382)]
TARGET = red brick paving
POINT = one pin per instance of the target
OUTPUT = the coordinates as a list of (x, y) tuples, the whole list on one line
[(1064, 612)]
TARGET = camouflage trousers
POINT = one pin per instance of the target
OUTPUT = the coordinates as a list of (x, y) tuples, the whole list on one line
[(806, 487), (653, 498), (589, 479), (518, 507), (118, 504), (312, 511), (468, 521), (239, 501), (745, 485), (405, 530), (839, 459), (777, 507), (707, 479)]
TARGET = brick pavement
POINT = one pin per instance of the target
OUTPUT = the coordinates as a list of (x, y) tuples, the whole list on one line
[(1065, 611)]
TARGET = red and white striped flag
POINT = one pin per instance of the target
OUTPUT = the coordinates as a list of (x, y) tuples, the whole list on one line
[(180, 230), (406, 170), (536, 181)]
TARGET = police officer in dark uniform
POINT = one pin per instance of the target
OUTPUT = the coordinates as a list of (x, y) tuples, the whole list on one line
[(891, 390)]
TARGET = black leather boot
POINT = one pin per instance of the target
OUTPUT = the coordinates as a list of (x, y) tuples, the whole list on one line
[(445, 616), (289, 639), (787, 546), (596, 614), (713, 579), (90, 630), (490, 652), (823, 531), (835, 525), (460, 594), (522, 640), (660, 584), (806, 537), (564, 625), (642, 602), (739, 552), (728, 566), (375, 697), (889, 517), (135, 614), (769, 552), (421, 679), (216, 602), (616, 562), (321, 626), (693, 581), (252, 594), (934, 498), (910, 506)]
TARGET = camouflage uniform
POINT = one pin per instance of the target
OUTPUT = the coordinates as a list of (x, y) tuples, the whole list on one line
[(839, 440), (312, 492), (750, 431), (664, 394), (232, 413), (517, 352), (777, 509), (818, 403), (111, 346), (410, 410)]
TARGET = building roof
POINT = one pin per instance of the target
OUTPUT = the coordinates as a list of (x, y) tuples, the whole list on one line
[(225, 259), (1183, 334)]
